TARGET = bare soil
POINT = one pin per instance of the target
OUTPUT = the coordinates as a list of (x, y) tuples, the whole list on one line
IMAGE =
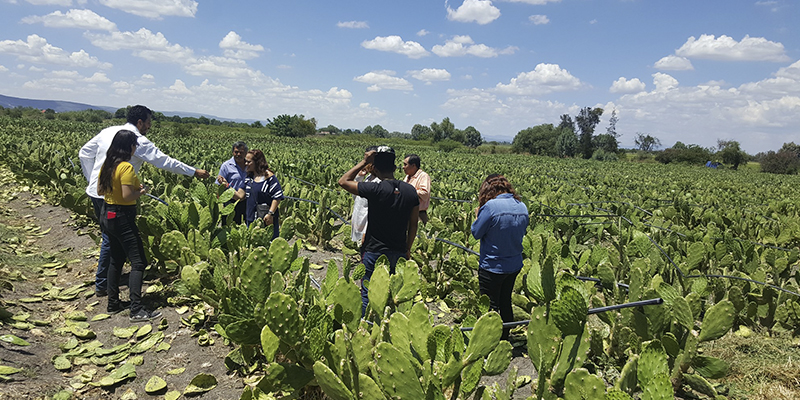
[(33, 233)]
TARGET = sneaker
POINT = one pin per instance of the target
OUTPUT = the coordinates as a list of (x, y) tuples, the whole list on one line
[(100, 293), (144, 315), (117, 307)]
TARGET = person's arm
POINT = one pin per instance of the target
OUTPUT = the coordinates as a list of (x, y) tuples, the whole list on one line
[(424, 189), (87, 157), (148, 152), (131, 193), (223, 172), (413, 222), (348, 180), (239, 194), (481, 223), (273, 208)]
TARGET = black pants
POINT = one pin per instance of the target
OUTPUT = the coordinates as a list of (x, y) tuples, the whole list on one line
[(119, 223), (239, 211), (499, 288)]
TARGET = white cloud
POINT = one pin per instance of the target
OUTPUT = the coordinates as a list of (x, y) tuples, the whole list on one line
[(539, 19), (36, 50), (545, 78), (353, 24), (460, 46), (674, 63), (726, 48), (430, 74), (383, 80), (34, 68), (395, 44), (220, 67), (623, 85), (3, 68), (480, 11), (154, 9), (65, 3), (145, 44), (664, 82), (234, 47), (82, 19), (178, 88), (98, 77), (422, 32)]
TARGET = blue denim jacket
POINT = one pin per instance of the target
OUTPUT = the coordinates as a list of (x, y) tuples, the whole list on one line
[(500, 226)]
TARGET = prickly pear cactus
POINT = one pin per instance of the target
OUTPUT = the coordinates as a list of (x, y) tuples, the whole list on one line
[(330, 383), (396, 374), (573, 354), (191, 277), (499, 359), (280, 254), (652, 363), (580, 385), (171, 245), (569, 311), (717, 321), (255, 275), (659, 388), (485, 337), (283, 318)]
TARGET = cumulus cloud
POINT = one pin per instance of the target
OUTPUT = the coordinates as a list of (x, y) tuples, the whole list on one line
[(422, 32), (178, 88), (36, 50), (674, 63), (82, 19), (234, 47), (395, 44), (726, 48), (154, 9), (3, 68), (664, 82), (545, 78), (623, 85), (353, 24), (98, 77), (383, 80), (222, 67), (145, 44), (430, 75), (460, 46), (480, 11), (539, 19)]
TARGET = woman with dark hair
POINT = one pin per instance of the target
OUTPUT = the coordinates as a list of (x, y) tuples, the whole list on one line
[(500, 224), (120, 186), (262, 192)]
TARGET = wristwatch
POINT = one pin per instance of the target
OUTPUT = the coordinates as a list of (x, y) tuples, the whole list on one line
[(270, 212)]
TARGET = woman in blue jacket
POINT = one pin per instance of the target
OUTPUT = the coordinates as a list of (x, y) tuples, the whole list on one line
[(500, 223)]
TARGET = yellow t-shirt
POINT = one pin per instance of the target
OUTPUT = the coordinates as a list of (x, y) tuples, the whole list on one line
[(123, 175)]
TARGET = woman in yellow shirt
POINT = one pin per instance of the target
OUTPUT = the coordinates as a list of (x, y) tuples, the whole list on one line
[(121, 187)]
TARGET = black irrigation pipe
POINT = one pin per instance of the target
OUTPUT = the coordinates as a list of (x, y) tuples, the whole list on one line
[(577, 215), (651, 302), (308, 183), (317, 203), (683, 275), (453, 200), (719, 238), (156, 198)]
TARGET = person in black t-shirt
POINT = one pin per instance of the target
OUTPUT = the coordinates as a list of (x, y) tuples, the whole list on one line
[(392, 216)]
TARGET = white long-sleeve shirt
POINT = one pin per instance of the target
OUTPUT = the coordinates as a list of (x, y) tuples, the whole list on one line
[(93, 155)]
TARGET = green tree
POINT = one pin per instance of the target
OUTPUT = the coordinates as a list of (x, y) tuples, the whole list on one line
[(566, 123), (612, 125), (421, 132), (443, 131), (731, 153), (50, 113), (567, 143), (606, 142), (647, 143), (291, 126), (377, 131), (539, 140), (587, 120), (121, 113), (257, 124), (472, 138)]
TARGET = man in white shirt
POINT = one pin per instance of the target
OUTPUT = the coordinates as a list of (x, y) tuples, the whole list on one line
[(92, 156)]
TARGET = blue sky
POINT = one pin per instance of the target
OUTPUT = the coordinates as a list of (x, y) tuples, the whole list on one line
[(690, 71)]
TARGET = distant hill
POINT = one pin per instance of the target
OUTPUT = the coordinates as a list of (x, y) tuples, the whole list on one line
[(64, 106), (58, 106)]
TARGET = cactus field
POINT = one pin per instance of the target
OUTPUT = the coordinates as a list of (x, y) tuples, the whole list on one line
[(708, 257)]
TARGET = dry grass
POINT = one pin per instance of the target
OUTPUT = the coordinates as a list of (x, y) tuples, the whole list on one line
[(761, 366)]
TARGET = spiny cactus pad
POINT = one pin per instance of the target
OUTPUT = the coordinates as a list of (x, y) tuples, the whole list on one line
[(485, 337), (580, 385), (396, 373), (717, 321), (283, 318)]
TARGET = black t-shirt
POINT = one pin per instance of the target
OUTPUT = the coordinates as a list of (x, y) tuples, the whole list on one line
[(389, 207)]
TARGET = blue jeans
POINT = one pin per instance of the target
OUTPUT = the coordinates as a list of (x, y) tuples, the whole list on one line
[(126, 244), (369, 259), (101, 277)]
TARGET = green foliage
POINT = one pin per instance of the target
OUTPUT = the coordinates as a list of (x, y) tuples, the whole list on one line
[(538, 140), (295, 126)]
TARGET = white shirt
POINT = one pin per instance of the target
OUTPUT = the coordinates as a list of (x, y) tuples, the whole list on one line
[(93, 155), (360, 206)]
